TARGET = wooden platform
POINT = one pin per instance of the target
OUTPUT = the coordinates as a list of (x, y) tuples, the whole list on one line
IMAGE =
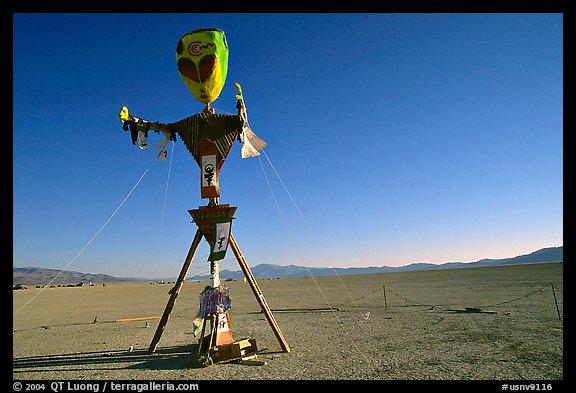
[(237, 349)]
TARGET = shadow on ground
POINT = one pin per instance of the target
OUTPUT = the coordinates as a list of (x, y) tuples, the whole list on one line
[(167, 358)]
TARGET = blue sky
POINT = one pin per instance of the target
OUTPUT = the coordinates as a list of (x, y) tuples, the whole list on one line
[(393, 138)]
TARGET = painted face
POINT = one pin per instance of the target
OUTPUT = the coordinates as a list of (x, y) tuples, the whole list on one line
[(123, 114), (202, 57)]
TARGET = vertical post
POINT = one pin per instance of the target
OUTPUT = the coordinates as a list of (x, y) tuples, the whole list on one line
[(175, 291), (555, 301), (258, 294), (384, 291), (213, 331), (201, 341), (215, 273)]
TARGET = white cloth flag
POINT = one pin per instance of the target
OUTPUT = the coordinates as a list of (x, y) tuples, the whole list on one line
[(162, 145), (222, 236), (251, 143)]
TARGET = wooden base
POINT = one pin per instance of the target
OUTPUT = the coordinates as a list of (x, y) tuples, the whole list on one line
[(242, 351), (237, 350), (219, 332)]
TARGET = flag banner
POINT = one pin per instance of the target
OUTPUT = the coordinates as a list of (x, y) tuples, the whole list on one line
[(209, 173), (221, 240)]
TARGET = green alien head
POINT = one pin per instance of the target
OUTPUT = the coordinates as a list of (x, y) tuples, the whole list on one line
[(202, 57)]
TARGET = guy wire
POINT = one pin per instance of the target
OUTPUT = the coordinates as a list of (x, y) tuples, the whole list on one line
[(87, 244), (166, 192), (333, 309), (312, 232), (290, 234)]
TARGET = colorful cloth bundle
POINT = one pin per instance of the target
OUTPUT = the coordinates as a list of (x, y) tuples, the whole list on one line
[(214, 300)]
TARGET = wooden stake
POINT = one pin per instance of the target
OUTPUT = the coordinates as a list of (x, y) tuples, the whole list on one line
[(385, 302), (258, 294), (555, 301), (175, 291), (135, 319)]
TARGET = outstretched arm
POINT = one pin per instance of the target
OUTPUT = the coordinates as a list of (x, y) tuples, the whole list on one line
[(154, 126)]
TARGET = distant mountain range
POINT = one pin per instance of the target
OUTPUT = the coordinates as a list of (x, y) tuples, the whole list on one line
[(550, 254), (42, 276)]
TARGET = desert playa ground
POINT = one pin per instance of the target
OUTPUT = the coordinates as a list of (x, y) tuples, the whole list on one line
[(490, 323)]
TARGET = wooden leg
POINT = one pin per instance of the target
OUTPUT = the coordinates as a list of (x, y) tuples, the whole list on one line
[(201, 340), (175, 291), (258, 293)]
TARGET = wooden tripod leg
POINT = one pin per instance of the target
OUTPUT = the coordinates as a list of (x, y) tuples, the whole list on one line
[(258, 293), (175, 291), (201, 340)]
